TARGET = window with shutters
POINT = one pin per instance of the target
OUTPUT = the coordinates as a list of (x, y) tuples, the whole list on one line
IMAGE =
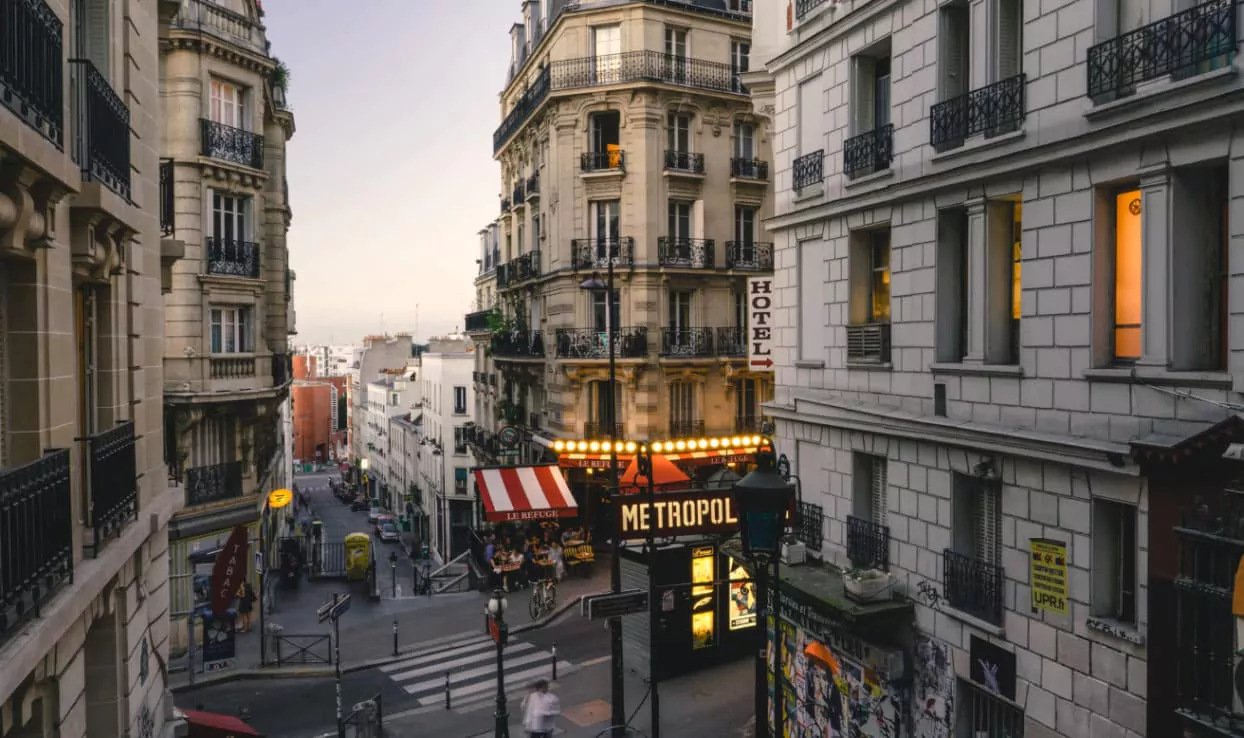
[(870, 82), (954, 50), (92, 23), (868, 536), (951, 311), (1114, 561), (977, 519)]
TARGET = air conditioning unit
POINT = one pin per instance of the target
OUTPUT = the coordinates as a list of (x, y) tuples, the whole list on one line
[(794, 552)]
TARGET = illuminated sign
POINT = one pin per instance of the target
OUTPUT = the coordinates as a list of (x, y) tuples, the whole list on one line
[(279, 498), (702, 605), (699, 512), (760, 324), (601, 461)]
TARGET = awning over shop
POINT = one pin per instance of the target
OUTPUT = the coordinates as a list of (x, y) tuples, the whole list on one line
[(214, 725), (524, 493), (664, 476)]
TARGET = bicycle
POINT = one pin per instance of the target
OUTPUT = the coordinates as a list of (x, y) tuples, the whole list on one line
[(543, 598)]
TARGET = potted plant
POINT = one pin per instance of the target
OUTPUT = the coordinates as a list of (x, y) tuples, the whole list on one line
[(867, 585)]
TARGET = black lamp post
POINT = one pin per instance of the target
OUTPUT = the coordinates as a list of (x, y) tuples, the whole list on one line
[(496, 611), (762, 500), (618, 697)]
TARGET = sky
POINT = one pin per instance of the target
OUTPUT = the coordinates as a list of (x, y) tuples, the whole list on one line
[(390, 170)]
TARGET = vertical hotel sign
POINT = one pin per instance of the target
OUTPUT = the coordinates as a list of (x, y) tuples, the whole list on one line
[(760, 299)]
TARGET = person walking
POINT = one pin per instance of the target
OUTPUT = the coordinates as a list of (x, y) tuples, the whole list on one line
[(246, 603), (540, 708)]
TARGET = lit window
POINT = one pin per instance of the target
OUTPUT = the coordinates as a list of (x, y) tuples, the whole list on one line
[(880, 285), (1128, 301)]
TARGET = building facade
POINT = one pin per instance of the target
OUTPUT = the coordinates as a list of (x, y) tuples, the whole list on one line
[(445, 396), (405, 485), (628, 140), (378, 354), (227, 319), (1003, 238), (85, 501), (391, 395)]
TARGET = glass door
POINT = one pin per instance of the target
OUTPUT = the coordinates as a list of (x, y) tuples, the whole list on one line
[(607, 54), (605, 215), (676, 55)]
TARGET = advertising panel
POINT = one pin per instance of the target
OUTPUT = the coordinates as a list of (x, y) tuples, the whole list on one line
[(702, 512), (1048, 574), (703, 605), (742, 605)]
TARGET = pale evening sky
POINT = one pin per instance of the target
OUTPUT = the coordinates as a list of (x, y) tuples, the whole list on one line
[(390, 171)]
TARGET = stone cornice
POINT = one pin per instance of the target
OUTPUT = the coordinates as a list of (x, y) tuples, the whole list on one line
[(205, 43)]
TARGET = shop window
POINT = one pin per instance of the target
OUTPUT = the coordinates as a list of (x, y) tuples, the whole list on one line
[(1114, 561), (1128, 275), (980, 714)]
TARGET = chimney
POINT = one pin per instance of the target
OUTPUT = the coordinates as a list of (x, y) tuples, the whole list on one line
[(535, 24), (517, 39)]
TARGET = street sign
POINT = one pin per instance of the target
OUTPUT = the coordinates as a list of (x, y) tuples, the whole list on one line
[(334, 608), (629, 602), (760, 324), (259, 562)]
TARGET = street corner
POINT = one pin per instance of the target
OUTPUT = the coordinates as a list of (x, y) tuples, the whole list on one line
[(238, 675), (557, 612)]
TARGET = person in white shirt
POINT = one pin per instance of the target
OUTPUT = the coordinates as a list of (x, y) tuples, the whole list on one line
[(539, 710)]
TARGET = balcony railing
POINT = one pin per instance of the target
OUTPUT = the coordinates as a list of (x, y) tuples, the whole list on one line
[(752, 256), (232, 258), (506, 205), (731, 341), (868, 152), (868, 544), (215, 483), (684, 161), (210, 17), (749, 169), (114, 481), (992, 110), (686, 342), (226, 143), (168, 199), (519, 194), (282, 369), (1191, 42), (596, 429), (972, 586), (686, 428), (603, 161), (31, 40), (803, 7), (36, 533), (232, 368), (688, 253), (810, 525), (749, 424), (518, 345), (523, 268), (101, 128), (868, 342), (588, 343), (523, 109), (808, 170), (596, 253), (642, 66), (477, 321), (533, 185)]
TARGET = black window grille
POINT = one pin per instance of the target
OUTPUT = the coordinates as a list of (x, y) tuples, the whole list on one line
[(809, 525), (868, 544)]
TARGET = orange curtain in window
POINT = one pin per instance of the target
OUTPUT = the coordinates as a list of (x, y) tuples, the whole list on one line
[(1128, 302)]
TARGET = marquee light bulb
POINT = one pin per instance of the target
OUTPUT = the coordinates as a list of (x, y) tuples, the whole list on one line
[(594, 446), (657, 447), (630, 447), (582, 445), (714, 442), (681, 445), (755, 440), (702, 443), (559, 445), (736, 441), (605, 447)]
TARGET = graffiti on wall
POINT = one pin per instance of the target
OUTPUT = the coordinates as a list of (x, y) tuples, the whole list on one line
[(934, 699)]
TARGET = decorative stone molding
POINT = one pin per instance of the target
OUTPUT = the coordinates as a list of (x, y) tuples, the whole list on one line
[(27, 210), (235, 176), (697, 375), (577, 376), (97, 244)]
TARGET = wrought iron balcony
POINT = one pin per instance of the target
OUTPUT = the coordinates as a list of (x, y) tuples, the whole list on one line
[(642, 66), (596, 253), (589, 343), (477, 322), (972, 586), (30, 68), (752, 256), (242, 367), (523, 268), (215, 483), (868, 544), (168, 199), (810, 525), (748, 423), (803, 7), (749, 169), (36, 522), (1191, 42), (101, 128), (992, 110), (232, 258), (598, 429), (688, 253), (808, 170), (868, 342), (533, 186), (506, 205), (114, 481), (226, 143), (519, 194), (686, 342), (603, 161), (684, 161), (868, 152), (732, 341), (282, 369), (686, 428), (527, 104), (518, 345)]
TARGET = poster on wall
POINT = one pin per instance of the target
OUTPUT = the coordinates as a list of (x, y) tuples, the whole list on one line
[(742, 597), (702, 600), (219, 641), (1048, 575), (993, 668)]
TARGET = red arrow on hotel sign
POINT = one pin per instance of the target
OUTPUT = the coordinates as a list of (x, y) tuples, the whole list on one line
[(766, 363)]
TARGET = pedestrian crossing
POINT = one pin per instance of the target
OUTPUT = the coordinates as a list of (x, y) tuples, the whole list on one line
[(471, 665)]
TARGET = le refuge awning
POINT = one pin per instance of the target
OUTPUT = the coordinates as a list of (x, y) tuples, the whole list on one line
[(524, 493)]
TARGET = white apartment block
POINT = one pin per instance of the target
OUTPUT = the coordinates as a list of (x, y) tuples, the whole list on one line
[(377, 355), (447, 409), (390, 396), (1008, 236)]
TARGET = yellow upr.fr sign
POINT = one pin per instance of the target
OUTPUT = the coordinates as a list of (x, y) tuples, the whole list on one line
[(279, 498), (1048, 575)]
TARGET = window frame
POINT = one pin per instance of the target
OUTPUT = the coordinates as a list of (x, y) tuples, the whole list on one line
[(1115, 196), (880, 271), (678, 128), (682, 403), (681, 220), (235, 217), (240, 325), (226, 96), (1115, 554), (744, 132)]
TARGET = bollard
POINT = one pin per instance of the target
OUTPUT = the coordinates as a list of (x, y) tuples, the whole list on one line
[(394, 637), (554, 660), (447, 705)]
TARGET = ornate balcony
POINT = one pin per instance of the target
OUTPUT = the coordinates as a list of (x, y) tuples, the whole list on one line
[(519, 193), (589, 343), (749, 169), (1188, 43), (215, 483), (869, 342), (232, 258), (518, 345), (868, 544), (598, 429), (642, 66), (869, 152), (506, 205), (234, 145), (30, 69), (749, 424), (686, 428), (751, 256), (684, 162), (602, 161), (803, 7), (101, 128), (113, 480), (477, 322), (533, 186), (232, 368), (687, 253), (731, 341), (808, 170), (522, 269), (168, 200), (36, 548), (686, 343), (209, 17), (972, 586), (596, 253), (991, 110)]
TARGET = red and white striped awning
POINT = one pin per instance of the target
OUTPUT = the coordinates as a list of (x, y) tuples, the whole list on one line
[(525, 493)]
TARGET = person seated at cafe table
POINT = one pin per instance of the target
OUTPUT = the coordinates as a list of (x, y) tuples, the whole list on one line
[(515, 568)]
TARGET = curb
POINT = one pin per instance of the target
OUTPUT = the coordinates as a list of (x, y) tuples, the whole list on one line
[(273, 672), (557, 613)]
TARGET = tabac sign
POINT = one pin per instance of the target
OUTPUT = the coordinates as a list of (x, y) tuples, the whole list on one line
[(760, 324), (700, 512)]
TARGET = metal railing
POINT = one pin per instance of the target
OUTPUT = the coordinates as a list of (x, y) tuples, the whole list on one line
[(684, 161), (808, 170), (282, 369), (522, 344), (36, 536), (519, 193), (227, 367), (749, 169), (1190, 42), (201, 15), (213, 483), (522, 268), (302, 649), (686, 342), (748, 423), (603, 161), (598, 429), (101, 128), (506, 205), (869, 152), (533, 185), (648, 65), (31, 43), (810, 525), (686, 428), (868, 544), (477, 321), (114, 481), (972, 586), (992, 110), (596, 253), (753, 256), (226, 143), (232, 258), (168, 199), (868, 342), (589, 343), (731, 341), (803, 7), (688, 253)]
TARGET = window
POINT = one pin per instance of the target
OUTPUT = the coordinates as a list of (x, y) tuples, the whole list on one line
[(1016, 282), (519, 233), (871, 82), (1009, 39), (227, 101), (1128, 276), (1114, 560), (980, 713), (954, 50), (679, 220), (676, 55), (604, 223), (679, 312), (535, 232), (682, 408), (605, 138), (976, 522), (1198, 204), (460, 440), (744, 141), (879, 276), (813, 313), (394, 398), (606, 53), (745, 227), (229, 217), (460, 400), (600, 409), (91, 22), (601, 321), (231, 330), (740, 51), (460, 481), (746, 404), (678, 130), (868, 488), (951, 311), (740, 308)]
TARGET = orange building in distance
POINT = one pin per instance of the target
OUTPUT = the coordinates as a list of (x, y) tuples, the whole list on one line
[(319, 413)]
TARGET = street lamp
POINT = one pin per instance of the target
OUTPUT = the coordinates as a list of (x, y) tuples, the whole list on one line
[(496, 611), (618, 697), (762, 500)]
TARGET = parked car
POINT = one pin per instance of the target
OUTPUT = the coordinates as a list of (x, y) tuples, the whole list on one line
[(375, 513), (387, 531), (360, 504)]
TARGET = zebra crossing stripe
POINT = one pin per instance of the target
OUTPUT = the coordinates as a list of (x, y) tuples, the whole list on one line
[(490, 668), (530, 674), (440, 667), (475, 642)]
